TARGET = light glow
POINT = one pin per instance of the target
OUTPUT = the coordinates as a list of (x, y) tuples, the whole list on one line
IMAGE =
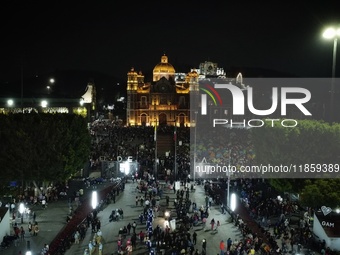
[(94, 199), (10, 102), (124, 167), (21, 208), (331, 32), (233, 201), (43, 103), (166, 224)]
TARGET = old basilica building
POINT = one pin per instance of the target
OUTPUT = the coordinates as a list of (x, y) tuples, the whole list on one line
[(166, 99)]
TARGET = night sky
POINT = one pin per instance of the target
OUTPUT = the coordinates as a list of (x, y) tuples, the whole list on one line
[(110, 37)]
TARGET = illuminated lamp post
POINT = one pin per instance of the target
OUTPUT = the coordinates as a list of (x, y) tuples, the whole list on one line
[(233, 202), (10, 102), (332, 33), (195, 144), (28, 248), (94, 199), (228, 182), (156, 155), (21, 211)]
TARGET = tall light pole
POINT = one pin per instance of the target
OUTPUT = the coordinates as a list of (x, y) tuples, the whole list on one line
[(228, 181), (21, 211), (155, 138), (22, 86), (195, 156), (332, 33), (175, 139)]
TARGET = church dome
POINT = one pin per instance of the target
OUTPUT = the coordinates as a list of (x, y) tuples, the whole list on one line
[(164, 68)]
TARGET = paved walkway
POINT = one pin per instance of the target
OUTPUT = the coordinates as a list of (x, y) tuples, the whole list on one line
[(131, 212), (53, 219)]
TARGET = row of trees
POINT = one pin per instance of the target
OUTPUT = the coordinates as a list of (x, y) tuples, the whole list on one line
[(313, 147), (42, 147)]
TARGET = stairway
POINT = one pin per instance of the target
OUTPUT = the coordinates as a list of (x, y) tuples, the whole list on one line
[(165, 143)]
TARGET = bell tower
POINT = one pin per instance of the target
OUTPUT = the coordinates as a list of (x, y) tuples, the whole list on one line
[(133, 81)]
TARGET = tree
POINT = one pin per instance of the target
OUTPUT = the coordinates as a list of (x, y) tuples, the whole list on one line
[(310, 142), (319, 192), (43, 147)]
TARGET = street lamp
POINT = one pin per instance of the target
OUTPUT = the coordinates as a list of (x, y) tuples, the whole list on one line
[(94, 199), (10, 102), (155, 138), (332, 33), (28, 248), (44, 103), (233, 202), (21, 211), (228, 181), (175, 160)]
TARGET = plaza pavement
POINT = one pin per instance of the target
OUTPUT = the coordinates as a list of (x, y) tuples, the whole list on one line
[(53, 219), (131, 212)]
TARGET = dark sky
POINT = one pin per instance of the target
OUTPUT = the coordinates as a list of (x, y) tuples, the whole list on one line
[(112, 36)]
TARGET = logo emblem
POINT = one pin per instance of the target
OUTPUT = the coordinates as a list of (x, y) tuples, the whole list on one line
[(326, 210)]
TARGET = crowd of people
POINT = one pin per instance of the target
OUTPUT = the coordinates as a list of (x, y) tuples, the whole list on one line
[(232, 147), (274, 232), (221, 146)]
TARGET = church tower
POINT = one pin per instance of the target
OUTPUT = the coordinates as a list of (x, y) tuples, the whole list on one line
[(134, 81)]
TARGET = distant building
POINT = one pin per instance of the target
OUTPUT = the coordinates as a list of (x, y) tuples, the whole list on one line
[(166, 99), (50, 102)]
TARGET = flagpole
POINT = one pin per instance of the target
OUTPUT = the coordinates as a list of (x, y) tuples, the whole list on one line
[(195, 156), (175, 138), (155, 137)]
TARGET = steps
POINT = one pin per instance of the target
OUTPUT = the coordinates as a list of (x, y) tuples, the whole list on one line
[(165, 143)]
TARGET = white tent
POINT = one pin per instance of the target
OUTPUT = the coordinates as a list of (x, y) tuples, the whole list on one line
[(326, 226)]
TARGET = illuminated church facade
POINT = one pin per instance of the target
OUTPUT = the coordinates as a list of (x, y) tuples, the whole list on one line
[(165, 100)]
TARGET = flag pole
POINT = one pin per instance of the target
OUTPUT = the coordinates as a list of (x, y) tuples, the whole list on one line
[(155, 137), (175, 138)]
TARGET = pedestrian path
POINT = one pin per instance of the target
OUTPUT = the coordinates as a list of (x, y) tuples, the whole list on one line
[(50, 220), (131, 212), (53, 219)]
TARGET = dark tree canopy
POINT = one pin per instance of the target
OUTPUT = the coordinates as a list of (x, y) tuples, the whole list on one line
[(309, 142), (42, 147)]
